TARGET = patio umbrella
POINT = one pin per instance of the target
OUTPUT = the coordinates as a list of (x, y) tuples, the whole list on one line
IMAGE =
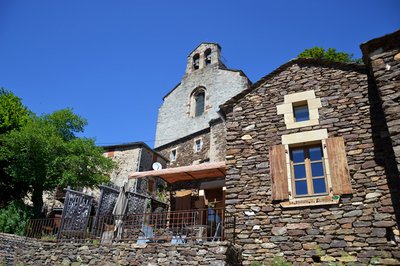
[(120, 209)]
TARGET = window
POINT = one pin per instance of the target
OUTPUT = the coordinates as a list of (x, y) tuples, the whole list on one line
[(173, 155), (197, 145), (317, 170), (196, 61), (307, 166), (199, 99), (207, 56), (300, 112), (197, 102), (300, 109)]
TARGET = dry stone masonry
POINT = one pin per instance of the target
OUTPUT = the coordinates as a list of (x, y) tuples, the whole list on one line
[(362, 226), (21, 251)]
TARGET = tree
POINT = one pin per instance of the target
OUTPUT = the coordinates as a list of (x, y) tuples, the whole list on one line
[(66, 123), (330, 54), (45, 154), (13, 115)]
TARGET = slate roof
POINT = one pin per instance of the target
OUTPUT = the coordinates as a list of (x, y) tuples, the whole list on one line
[(389, 41), (138, 144)]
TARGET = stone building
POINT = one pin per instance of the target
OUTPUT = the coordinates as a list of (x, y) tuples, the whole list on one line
[(189, 128), (133, 157), (312, 160)]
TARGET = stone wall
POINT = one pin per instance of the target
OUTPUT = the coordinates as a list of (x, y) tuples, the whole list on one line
[(217, 141), (130, 158), (28, 252), (361, 228), (186, 154), (383, 58), (212, 150), (148, 157), (127, 159), (8, 245)]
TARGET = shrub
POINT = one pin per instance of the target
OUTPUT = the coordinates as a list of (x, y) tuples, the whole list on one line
[(14, 218), (279, 261)]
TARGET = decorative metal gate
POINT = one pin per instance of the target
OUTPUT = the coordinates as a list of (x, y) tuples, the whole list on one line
[(107, 200), (137, 203), (75, 216)]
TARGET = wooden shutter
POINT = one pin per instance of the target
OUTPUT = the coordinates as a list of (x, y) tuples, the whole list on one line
[(340, 176), (277, 157)]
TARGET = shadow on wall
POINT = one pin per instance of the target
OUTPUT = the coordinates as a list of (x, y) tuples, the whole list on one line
[(383, 150)]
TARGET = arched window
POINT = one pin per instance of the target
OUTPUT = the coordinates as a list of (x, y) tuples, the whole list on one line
[(198, 102), (199, 99), (196, 61), (207, 57)]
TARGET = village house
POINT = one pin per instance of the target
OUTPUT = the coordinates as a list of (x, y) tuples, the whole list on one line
[(312, 160), (133, 157)]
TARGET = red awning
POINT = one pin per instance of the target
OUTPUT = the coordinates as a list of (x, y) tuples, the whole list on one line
[(186, 173)]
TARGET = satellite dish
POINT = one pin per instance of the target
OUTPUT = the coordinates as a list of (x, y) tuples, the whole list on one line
[(156, 166)]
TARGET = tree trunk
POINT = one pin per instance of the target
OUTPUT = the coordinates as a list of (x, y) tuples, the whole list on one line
[(37, 200)]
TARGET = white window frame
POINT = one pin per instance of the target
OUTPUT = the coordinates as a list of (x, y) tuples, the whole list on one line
[(173, 159), (291, 100), (195, 145)]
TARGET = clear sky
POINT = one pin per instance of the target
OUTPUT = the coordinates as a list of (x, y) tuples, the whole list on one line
[(113, 61)]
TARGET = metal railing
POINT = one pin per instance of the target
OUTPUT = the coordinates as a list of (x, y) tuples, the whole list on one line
[(176, 227)]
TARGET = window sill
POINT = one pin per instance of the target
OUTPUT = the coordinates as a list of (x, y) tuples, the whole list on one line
[(310, 122), (315, 201)]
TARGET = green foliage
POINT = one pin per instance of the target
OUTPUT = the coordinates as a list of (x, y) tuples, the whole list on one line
[(14, 218), (330, 54), (66, 122), (276, 261), (83, 164), (13, 114), (45, 153), (374, 260), (31, 151), (279, 261), (162, 193)]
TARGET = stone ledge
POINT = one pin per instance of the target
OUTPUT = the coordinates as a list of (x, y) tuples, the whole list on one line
[(305, 202)]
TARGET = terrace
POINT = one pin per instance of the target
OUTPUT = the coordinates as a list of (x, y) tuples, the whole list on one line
[(195, 212)]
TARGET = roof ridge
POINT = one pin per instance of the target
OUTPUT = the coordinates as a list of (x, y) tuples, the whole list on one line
[(311, 61)]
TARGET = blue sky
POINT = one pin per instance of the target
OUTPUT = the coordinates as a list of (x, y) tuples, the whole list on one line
[(113, 61)]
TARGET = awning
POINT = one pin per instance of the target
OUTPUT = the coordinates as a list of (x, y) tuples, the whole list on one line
[(186, 173)]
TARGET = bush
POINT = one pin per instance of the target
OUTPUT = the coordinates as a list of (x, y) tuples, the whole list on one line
[(279, 261), (14, 218)]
